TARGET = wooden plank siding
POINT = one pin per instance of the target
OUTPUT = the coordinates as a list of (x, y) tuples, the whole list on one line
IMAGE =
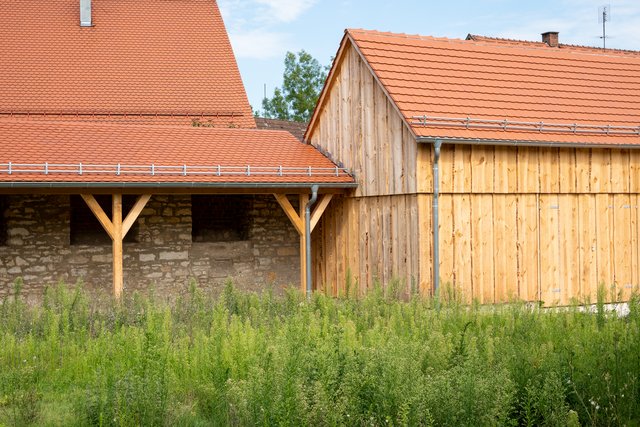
[(369, 239), (516, 222), (557, 223)]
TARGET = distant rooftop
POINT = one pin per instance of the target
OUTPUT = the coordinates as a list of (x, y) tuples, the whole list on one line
[(297, 129)]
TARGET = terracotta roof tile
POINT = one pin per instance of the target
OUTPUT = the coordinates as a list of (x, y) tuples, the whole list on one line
[(142, 61), (201, 149), (507, 80)]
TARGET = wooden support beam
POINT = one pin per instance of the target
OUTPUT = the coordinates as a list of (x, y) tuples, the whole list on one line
[(303, 200), (116, 214), (296, 220), (116, 228), (319, 210), (99, 213), (133, 214)]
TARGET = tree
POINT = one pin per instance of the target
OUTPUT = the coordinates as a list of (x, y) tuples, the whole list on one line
[(303, 79)]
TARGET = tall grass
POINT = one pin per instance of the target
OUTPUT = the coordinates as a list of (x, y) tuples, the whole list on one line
[(247, 359)]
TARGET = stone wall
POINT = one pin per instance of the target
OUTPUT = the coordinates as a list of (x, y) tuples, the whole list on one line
[(163, 257)]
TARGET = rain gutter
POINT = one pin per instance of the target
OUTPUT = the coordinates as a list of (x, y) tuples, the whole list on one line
[(519, 143), (300, 185)]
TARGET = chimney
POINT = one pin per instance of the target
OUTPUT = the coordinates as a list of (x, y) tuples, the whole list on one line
[(85, 13), (550, 38)]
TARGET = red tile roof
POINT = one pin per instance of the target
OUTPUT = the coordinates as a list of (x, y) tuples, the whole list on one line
[(39, 151), (143, 61), (517, 82)]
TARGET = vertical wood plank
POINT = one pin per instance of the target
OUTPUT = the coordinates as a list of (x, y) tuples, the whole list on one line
[(549, 170), (482, 247), (620, 171), (551, 287), (528, 253), (447, 256), (462, 169), (587, 257), (528, 171), (446, 167), (482, 162), (635, 265), (600, 170), (569, 247), (500, 242), (634, 171), (426, 244), (567, 170), (604, 214), (425, 171), (462, 242), (412, 236), (583, 170), (622, 246)]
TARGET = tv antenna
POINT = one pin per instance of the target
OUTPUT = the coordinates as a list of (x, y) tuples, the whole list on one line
[(604, 16)]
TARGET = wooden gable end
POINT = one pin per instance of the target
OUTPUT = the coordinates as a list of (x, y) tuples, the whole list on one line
[(357, 124)]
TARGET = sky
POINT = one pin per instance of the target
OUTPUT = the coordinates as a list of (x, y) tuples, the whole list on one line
[(262, 31)]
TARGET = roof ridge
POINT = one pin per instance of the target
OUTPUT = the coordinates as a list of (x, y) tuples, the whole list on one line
[(532, 43)]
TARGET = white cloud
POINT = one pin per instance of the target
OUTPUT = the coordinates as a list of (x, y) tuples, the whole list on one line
[(258, 44), (286, 10), (255, 26)]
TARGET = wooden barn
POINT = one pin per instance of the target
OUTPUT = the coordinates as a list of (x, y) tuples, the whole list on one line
[(496, 168), (130, 159)]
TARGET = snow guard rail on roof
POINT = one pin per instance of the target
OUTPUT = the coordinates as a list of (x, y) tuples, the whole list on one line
[(471, 123), (183, 170)]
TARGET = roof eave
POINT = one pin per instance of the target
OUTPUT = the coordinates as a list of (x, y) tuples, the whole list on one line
[(166, 185)]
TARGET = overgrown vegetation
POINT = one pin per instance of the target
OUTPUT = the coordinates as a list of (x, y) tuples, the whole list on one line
[(246, 359)]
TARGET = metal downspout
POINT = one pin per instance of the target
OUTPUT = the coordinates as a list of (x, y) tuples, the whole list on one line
[(307, 237), (436, 223)]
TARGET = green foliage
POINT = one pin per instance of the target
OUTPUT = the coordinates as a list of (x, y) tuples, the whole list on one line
[(302, 82), (245, 359)]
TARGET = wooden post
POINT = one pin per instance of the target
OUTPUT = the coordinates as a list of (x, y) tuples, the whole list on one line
[(297, 219), (303, 199), (116, 214), (117, 229)]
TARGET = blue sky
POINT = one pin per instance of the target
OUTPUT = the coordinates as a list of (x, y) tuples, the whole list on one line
[(262, 31)]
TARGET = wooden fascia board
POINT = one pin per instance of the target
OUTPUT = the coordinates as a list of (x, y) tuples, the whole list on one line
[(326, 89), (382, 86)]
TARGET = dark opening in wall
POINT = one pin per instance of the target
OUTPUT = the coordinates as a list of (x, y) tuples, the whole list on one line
[(4, 205), (220, 218), (85, 229)]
